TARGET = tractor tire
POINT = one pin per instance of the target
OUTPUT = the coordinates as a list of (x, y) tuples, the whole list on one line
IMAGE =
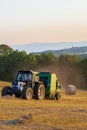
[(58, 96), (27, 93), (6, 91), (39, 91)]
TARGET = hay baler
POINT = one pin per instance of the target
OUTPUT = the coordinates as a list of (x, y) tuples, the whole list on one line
[(52, 87)]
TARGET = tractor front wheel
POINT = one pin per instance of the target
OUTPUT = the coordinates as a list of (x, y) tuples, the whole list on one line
[(27, 93), (6, 91)]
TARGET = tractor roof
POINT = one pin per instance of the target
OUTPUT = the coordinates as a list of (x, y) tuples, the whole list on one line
[(27, 71), (24, 71)]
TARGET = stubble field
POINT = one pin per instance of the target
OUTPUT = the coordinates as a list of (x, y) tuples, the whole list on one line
[(69, 113)]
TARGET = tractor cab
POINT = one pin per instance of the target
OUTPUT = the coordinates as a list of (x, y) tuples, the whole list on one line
[(24, 76)]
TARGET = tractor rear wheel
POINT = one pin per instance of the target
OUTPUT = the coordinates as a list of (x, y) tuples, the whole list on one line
[(27, 93), (40, 91), (6, 91)]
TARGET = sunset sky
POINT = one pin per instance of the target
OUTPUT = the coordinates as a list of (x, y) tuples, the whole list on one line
[(28, 21)]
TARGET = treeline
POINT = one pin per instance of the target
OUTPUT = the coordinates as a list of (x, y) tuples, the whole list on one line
[(70, 69), (11, 62)]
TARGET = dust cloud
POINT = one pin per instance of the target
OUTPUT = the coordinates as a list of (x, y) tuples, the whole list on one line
[(66, 75)]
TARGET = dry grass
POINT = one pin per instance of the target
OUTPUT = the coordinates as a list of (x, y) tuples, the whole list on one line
[(70, 113)]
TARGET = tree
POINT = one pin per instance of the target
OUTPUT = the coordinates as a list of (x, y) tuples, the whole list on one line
[(32, 59), (5, 49), (69, 59), (47, 58)]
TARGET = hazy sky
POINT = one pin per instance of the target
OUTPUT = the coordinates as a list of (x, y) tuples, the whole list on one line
[(27, 21)]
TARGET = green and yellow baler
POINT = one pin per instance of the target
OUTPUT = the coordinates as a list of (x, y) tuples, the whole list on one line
[(52, 87)]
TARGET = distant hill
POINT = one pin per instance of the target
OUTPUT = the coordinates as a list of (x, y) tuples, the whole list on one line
[(81, 51), (40, 47), (83, 56), (79, 48), (73, 50)]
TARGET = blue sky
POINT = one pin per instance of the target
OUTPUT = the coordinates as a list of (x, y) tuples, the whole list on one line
[(27, 21)]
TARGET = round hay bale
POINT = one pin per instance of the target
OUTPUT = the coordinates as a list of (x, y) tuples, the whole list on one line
[(70, 90)]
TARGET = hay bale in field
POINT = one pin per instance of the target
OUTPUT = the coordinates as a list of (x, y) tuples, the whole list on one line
[(70, 90)]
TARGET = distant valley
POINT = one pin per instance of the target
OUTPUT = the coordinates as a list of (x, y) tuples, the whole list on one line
[(40, 47), (79, 48)]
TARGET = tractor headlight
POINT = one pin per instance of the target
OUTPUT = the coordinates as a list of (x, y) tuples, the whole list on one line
[(14, 86), (21, 88)]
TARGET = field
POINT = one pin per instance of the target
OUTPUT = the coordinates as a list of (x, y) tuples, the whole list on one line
[(70, 113)]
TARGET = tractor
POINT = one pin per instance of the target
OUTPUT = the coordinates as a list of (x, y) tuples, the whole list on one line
[(30, 84)]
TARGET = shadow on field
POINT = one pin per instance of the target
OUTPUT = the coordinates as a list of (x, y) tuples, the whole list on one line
[(24, 119)]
